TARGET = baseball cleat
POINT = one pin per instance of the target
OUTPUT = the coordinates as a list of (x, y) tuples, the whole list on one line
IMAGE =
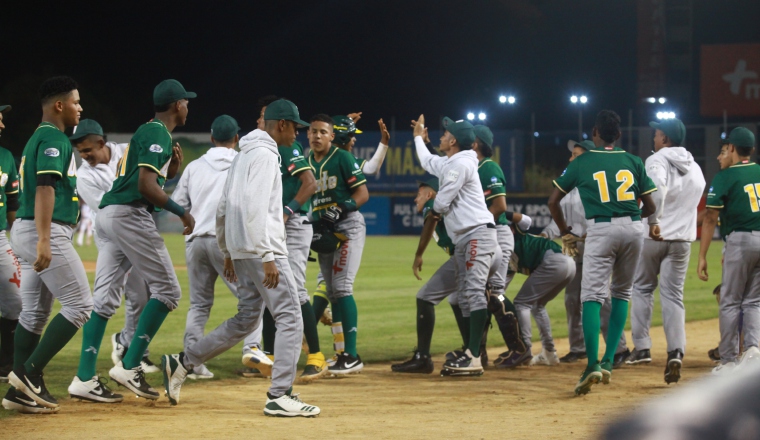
[(333, 359), (621, 357), (513, 359), (346, 364), (466, 364), (546, 357), (606, 368), (249, 372), (289, 406), (714, 354), (590, 377), (175, 374), (148, 366), (255, 358), (316, 367), (451, 355), (200, 372), (33, 386), (572, 357), (118, 349), (326, 318), (20, 402), (93, 390), (419, 363), (133, 380), (673, 367), (639, 357), (724, 369)]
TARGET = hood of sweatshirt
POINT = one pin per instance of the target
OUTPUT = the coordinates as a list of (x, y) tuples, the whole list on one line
[(466, 155), (679, 157), (257, 139), (220, 158)]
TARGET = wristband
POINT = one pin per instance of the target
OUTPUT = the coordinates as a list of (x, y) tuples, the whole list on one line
[(174, 208), (293, 206), (509, 215), (348, 206)]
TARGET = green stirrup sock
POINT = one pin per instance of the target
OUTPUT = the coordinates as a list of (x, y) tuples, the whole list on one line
[(268, 332), (25, 342), (463, 324), (591, 326), (58, 333), (92, 337), (319, 306), (152, 317), (310, 327), (425, 325), (477, 324), (618, 317), (350, 320)]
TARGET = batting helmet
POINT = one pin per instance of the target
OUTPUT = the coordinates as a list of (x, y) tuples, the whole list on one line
[(344, 128), (325, 240)]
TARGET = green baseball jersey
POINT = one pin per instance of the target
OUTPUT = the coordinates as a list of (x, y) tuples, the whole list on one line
[(337, 175), (8, 184), (292, 163), (530, 249), (440, 235), (735, 192), (150, 147), (494, 184), (49, 152), (609, 181), (361, 162)]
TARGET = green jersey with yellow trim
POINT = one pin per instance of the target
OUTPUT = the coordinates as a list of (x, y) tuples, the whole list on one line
[(337, 175), (8, 184), (440, 235), (292, 163), (530, 249), (494, 184), (150, 147), (49, 152), (609, 181), (735, 192)]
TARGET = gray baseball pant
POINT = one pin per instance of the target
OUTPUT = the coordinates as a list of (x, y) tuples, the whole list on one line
[(669, 260), (65, 279), (476, 255), (442, 284), (10, 280), (499, 281), (739, 293), (339, 268), (283, 303), (298, 241)]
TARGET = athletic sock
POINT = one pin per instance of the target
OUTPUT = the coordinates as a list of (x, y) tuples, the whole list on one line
[(319, 306), (59, 332), (463, 324), (618, 317), (7, 333), (350, 319), (339, 341), (268, 332), (24, 344), (310, 327), (92, 337), (425, 325), (152, 317), (477, 324), (591, 324)]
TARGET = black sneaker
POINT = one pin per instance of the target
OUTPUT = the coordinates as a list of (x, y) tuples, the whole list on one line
[(619, 358), (455, 353), (572, 357), (466, 363), (639, 357), (673, 368), (714, 354), (33, 386), (346, 364), (513, 359), (18, 401), (419, 363)]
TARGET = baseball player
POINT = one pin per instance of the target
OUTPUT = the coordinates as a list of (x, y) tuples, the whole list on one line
[(469, 224), (734, 195), (130, 238), (250, 230), (41, 238), (680, 185), (10, 271), (341, 191), (95, 178), (609, 181), (575, 216)]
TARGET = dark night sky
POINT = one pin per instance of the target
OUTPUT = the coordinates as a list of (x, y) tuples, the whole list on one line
[(384, 58)]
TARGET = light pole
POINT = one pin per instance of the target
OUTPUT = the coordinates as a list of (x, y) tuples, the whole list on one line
[(580, 101)]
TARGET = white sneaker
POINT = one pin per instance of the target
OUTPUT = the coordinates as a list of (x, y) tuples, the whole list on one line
[(148, 366), (255, 358), (750, 358), (724, 369), (134, 380), (546, 357), (118, 350), (93, 390), (200, 372), (289, 406), (174, 375)]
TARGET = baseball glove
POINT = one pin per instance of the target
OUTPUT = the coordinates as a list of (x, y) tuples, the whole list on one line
[(325, 240), (570, 244)]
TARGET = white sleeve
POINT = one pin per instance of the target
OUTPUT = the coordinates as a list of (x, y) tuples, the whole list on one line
[(89, 190), (551, 231), (657, 170), (221, 214), (181, 194), (261, 175), (373, 165), (448, 187), (431, 163)]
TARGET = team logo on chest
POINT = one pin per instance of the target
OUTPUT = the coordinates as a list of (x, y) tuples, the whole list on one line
[(326, 182)]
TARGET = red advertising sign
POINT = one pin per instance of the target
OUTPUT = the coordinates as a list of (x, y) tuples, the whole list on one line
[(730, 80)]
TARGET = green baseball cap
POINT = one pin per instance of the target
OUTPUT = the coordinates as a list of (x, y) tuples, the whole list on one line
[(86, 127), (462, 131), (282, 109), (5, 108), (484, 134), (432, 182), (224, 128), (673, 129), (742, 137), (170, 90), (586, 145)]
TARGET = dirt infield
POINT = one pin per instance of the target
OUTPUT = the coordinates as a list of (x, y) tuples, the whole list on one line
[(535, 402)]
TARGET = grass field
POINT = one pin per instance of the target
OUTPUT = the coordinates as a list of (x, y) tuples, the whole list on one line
[(385, 290)]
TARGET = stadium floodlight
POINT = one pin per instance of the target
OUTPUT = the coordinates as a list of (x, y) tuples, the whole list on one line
[(511, 100), (651, 100), (482, 116), (666, 115), (662, 100), (583, 99), (503, 99), (574, 99), (535, 134), (470, 116)]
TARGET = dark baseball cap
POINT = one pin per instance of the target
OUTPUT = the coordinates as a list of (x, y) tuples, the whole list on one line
[(462, 131), (282, 109), (5, 108), (586, 145), (742, 137), (484, 134), (432, 183), (224, 128), (86, 127), (170, 90), (673, 129)]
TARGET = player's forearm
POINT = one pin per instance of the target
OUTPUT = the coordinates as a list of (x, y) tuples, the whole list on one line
[(360, 195), (649, 207), (373, 165), (10, 217), (427, 233), (152, 193), (498, 207), (307, 189), (708, 230), (44, 201)]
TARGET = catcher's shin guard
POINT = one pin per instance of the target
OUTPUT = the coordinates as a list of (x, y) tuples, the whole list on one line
[(506, 318)]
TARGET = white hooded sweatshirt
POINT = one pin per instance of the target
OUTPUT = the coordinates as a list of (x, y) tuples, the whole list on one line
[(249, 220), (94, 182), (201, 186), (680, 185)]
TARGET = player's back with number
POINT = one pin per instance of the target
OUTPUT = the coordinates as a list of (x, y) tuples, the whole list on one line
[(735, 191)]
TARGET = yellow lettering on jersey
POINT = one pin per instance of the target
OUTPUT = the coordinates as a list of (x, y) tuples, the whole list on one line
[(326, 182), (601, 180), (72, 167), (753, 191), (626, 177), (122, 165), (21, 172)]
